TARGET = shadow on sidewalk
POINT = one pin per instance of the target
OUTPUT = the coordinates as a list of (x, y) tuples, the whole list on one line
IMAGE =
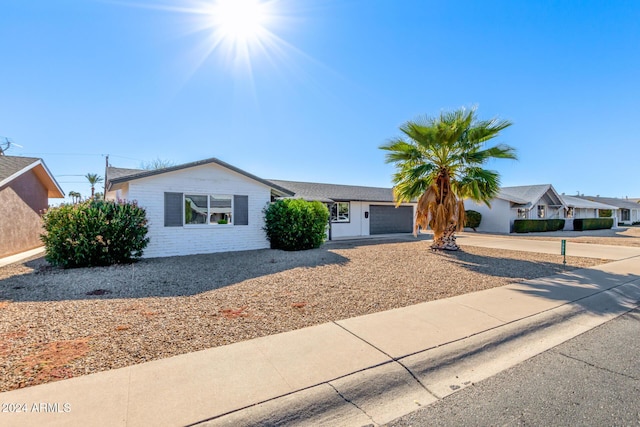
[(578, 285)]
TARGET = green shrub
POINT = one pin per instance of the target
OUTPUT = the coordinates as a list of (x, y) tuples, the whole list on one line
[(472, 219), (295, 224), (605, 213), (93, 233), (537, 225), (555, 224), (581, 224)]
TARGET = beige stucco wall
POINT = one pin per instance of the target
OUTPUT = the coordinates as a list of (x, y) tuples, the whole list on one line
[(21, 203)]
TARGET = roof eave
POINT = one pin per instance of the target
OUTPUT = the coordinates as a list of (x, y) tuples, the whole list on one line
[(54, 191), (114, 183)]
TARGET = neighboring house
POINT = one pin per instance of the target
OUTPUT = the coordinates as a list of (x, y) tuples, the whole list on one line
[(628, 211), (200, 207), (356, 210), (522, 202), (576, 207), (25, 187)]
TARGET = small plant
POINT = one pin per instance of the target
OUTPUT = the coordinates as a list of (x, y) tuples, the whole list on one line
[(223, 221), (472, 219), (296, 224), (94, 233)]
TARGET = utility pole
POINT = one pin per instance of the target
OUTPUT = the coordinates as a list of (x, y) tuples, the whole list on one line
[(106, 166)]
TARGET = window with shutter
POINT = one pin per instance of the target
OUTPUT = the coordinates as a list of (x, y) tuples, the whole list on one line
[(173, 208), (241, 210)]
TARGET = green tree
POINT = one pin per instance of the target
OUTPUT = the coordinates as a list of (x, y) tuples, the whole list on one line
[(439, 163), (75, 196), (93, 179)]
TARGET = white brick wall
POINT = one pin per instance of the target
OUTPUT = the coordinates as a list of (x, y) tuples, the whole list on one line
[(197, 239)]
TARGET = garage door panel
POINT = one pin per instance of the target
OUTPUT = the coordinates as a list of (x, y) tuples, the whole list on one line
[(385, 219)]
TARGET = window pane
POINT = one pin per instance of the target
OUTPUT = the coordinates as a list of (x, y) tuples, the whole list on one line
[(343, 211), (340, 212), (195, 209), (220, 209)]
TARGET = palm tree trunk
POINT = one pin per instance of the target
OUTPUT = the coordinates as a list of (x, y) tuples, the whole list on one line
[(447, 241)]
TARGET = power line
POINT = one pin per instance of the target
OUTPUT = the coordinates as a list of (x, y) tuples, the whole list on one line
[(81, 154), (63, 154)]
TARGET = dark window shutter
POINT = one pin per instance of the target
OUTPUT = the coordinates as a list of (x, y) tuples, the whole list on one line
[(240, 210), (173, 208)]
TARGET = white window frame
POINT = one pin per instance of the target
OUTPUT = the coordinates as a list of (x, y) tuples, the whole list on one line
[(337, 219), (542, 209), (209, 213)]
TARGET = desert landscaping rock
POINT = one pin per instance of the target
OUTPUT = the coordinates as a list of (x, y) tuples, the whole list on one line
[(56, 324)]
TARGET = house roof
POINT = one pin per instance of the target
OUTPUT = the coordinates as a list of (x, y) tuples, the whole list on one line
[(614, 201), (11, 167), (336, 192), (120, 175), (577, 202), (528, 195)]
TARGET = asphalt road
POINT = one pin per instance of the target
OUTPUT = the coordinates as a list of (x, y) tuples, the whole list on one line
[(591, 380)]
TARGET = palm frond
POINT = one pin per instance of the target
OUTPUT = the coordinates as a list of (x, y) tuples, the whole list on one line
[(480, 185), (438, 163)]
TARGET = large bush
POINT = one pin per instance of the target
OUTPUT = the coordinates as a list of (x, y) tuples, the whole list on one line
[(295, 224), (472, 219), (95, 232), (537, 225), (580, 224)]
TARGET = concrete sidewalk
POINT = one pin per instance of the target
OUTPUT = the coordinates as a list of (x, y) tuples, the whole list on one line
[(586, 250), (365, 370), (21, 256)]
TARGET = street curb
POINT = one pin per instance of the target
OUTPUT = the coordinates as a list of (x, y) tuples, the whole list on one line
[(379, 394)]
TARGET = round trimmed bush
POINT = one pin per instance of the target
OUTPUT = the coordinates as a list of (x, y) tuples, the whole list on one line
[(94, 233), (472, 219), (296, 224)]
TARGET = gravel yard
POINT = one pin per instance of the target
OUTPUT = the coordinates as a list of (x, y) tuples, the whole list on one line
[(57, 324)]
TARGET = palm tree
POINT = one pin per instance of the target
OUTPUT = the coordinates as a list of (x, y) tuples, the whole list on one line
[(75, 196), (439, 163), (93, 179)]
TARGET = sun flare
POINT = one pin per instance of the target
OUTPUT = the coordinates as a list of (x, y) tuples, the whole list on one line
[(240, 20), (239, 35), (240, 30)]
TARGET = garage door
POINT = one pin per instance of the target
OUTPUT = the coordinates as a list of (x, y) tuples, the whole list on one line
[(389, 219)]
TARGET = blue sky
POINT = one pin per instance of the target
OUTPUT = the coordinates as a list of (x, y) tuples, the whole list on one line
[(141, 80)]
